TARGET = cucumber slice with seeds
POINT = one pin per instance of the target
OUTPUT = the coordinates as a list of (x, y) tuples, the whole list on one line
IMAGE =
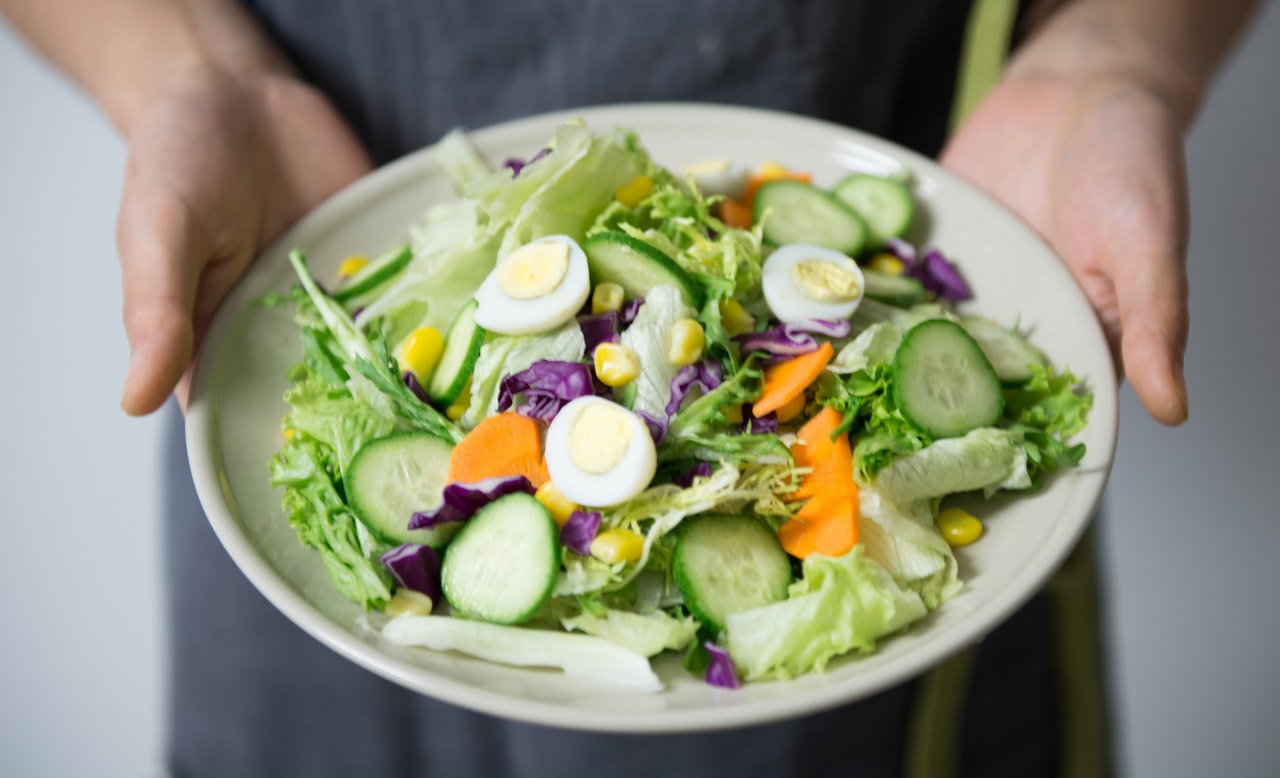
[(393, 477), (727, 564), (373, 276), (883, 203), (943, 383), (502, 565), (458, 360), (636, 266), (803, 213)]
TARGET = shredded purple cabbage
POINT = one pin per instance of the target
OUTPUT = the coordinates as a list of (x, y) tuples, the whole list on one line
[(792, 338), (599, 328), (411, 381), (763, 425), (516, 164), (415, 567), (630, 308), (685, 479), (705, 375), (721, 671), (657, 426), (578, 532), (940, 276), (461, 501), (547, 386)]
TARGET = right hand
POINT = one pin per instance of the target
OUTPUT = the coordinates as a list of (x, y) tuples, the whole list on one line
[(217, 168)]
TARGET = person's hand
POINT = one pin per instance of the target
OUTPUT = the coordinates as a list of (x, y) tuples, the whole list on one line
[(216, 168), (1096, 166)]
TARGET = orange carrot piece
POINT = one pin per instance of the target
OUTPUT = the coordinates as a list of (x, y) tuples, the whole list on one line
[(828, 523), (506, 444), (785, 381), (832, 534), (792, 409), (736, 214)]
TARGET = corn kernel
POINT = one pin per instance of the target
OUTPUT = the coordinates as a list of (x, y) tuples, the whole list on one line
[(351, 265), (733, 414), (460, 405), (407, 602), (289, 433), (617, 545), (958, 527), (887, 263), (421, 352), (635, 190), (607, 297), (772, 170), (687, 340), (616, 365), (734, 318), (792, 409), (553, 499)]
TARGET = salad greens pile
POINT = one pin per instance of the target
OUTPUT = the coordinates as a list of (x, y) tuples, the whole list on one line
[(449, 478)]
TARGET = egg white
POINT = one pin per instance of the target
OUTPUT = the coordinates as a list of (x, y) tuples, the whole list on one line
[(787, 302), (497, 312), (631, 476)]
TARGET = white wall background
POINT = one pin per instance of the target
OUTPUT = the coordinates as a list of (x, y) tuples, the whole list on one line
[(1191, 537)]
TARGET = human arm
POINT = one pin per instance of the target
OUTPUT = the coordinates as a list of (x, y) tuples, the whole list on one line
[(1083, 138), (227, 147)]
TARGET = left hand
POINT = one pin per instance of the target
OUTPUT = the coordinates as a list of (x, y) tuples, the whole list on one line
[(1095, 164)]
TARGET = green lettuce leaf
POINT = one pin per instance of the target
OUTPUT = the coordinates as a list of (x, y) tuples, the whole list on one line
[(648, 633), (909, 546), (987, 458), (841, 604), (649, 337), (333, 416)]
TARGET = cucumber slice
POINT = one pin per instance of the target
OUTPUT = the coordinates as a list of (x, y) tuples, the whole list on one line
[(458, 360), (502, 565), (883, 203), (390, 478), (381, 270), (803, 213), (902, 291), (727, 564), (943, 383), (636, 266), (1009, 353)]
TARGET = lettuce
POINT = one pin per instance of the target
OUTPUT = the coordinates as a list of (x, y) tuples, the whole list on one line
[(333, 416), (649, 336), (987, 458), (841, 604), (644, 633), (909, 546)]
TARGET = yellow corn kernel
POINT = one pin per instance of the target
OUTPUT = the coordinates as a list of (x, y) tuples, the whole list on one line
[(617, 545), (606, 297), (771, 170), (616, 365), (407, 602), (887, 263), (635, 190), (351, 265), (958, 527), (460, 405), (734, 318), (289, 433), (792, 409), (421, 352), (687, 340), (553, 499), (733, 414)]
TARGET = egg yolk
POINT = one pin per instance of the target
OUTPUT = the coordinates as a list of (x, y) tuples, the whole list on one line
[(600, 437), (825, 281), (534, 270)]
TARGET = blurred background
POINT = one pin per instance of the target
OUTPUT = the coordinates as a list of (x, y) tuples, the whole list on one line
[(1190, 534)]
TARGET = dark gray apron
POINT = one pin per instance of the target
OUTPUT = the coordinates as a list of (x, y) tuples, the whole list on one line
[(251, 695)]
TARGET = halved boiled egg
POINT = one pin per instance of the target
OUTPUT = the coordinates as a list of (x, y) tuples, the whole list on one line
[(538, 287), (598, 453), (801, 281), (719, 177)]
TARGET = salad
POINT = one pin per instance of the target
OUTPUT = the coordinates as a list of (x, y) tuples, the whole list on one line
[(597, 410)]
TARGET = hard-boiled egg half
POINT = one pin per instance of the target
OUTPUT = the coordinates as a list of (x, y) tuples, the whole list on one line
[(801, 282), (538, 287), (598, 453), (719, 177)]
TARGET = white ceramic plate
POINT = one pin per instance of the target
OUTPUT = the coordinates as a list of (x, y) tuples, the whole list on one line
[(234, 418)]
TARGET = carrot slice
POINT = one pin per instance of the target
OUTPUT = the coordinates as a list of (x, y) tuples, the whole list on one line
[(828, 523), (736, 214), (786, 381), (834, 534), (506, 444)]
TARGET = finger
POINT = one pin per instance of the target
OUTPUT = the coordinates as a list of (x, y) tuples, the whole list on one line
[(158, 245)]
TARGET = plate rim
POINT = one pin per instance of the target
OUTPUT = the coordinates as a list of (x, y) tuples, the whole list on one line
[(203, 440)]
